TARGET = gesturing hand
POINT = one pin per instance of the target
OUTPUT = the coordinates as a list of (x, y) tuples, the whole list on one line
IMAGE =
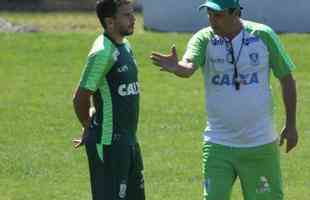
[(167, 62)]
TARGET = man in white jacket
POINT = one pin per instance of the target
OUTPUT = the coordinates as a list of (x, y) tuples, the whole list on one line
[(236, 58)]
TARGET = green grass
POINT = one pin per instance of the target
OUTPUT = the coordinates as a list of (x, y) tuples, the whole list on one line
[(38, 73), (61, 21)]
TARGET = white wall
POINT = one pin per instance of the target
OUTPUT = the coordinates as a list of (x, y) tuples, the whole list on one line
[(173, 15), (138, 4), (183, 15)]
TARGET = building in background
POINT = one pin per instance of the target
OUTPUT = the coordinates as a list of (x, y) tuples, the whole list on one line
[(183, 15), (176, 15), (53, 4)]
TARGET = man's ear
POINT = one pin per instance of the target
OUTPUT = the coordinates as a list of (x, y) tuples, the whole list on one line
[(109, 21), (237, 12)]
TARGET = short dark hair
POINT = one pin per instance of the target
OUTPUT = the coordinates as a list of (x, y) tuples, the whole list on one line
[(108, 8)]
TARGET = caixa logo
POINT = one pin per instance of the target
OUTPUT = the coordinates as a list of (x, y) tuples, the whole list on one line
[(226, 79), (128, 89)]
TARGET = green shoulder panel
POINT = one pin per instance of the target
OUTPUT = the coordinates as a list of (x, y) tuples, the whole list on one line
[(107, 125), (197, 46), (280, 62), (100, 60)]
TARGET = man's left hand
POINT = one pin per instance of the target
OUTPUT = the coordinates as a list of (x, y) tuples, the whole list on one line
[(291, 136)]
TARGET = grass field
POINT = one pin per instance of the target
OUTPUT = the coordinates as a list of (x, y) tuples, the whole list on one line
[(38, 73)]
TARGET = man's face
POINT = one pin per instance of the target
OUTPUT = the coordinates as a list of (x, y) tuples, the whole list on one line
[(220, 21), (124, 20)]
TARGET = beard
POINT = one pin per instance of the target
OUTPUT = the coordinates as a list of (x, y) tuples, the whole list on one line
[(127, 31), (218, 32)]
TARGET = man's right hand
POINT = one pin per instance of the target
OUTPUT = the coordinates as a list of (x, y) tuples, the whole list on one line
[(166, 62), (77, 142)]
